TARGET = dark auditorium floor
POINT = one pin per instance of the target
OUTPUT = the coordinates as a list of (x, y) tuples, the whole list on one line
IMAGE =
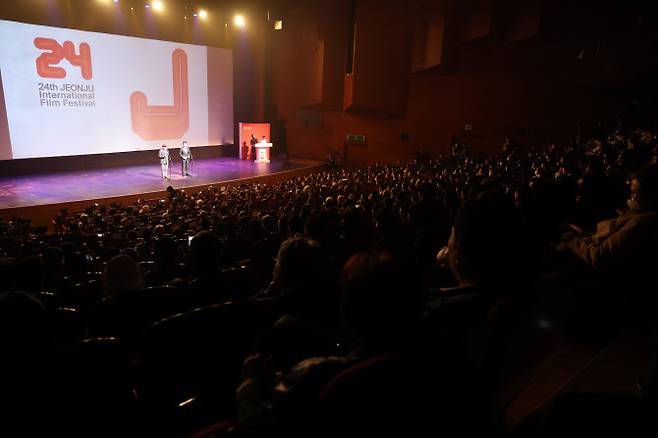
[(575, 367)]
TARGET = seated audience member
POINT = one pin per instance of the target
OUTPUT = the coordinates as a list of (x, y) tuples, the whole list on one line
[(164, 253), (629, 237), (30, 274), (205, 263), (484, 269), (121, 274), (27, 366), (23, 327), (299, 282), (380, 309), (621, 256)]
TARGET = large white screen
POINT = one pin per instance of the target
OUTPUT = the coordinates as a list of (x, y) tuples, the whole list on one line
[(118, 93)]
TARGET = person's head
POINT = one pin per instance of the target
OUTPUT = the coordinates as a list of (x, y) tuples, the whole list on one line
[(475, 243), (644, 190), (53, 258), (205, 254), (121, 274), (185, 144), (381, 297), (268, 223), (164, 251), (298, 262)]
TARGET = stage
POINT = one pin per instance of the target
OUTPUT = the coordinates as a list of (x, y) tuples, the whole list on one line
[(21, 194)]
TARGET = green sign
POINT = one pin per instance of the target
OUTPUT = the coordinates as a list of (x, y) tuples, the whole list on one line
[(356, 138)]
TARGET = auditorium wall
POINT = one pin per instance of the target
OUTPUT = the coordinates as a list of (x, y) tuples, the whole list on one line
[(413, 73), (525, 70)]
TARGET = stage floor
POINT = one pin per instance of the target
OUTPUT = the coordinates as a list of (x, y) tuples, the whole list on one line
[(55, 188)]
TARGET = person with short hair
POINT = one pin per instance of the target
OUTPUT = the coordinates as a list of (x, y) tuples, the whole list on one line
[(121, 274), (186, 156), (163, 153)]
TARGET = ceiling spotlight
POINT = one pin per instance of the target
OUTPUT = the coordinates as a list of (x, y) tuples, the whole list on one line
[(239, 21), (157, 5), (203, 14)]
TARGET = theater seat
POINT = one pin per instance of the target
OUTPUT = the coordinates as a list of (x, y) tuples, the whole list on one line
[(128, 314), (85, 293), (222, 429), (93, 388), (189, 365), (400, 393)]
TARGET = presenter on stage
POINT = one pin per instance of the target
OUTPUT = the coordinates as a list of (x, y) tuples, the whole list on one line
[(186, 156), (252, 149), (163, 153)]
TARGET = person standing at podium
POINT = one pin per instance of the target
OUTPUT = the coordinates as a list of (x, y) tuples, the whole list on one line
[(252, 148)]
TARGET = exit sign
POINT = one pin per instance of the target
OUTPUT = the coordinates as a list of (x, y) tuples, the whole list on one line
[(356, 138)]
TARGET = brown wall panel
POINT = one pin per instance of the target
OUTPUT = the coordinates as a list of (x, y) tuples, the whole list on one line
[(382, 53), (535, 91)]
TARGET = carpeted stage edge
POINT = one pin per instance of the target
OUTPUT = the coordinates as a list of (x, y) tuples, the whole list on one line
[(44, 214)]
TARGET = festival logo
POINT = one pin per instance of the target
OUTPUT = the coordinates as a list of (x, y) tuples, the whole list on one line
[(164, 122), (54, 53)]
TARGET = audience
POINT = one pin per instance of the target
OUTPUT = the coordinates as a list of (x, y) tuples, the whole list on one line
[(403, 265)]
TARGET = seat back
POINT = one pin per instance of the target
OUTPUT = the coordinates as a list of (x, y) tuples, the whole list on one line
[(127, 315), (403, 393), (198, 355)]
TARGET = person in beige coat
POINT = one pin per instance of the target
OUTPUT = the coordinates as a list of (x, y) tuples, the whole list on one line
[(625, 239)]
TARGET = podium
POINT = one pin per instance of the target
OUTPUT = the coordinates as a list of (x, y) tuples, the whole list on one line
[(263, 152)]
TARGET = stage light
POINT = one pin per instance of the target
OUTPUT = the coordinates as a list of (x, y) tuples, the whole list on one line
[(239, 21), (157, 5), (203, 14)]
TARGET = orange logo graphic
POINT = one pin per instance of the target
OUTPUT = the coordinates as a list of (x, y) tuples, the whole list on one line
[(47, 61), (164, 122)]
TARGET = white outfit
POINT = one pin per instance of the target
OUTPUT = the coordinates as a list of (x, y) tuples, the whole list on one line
[(164, 161)]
